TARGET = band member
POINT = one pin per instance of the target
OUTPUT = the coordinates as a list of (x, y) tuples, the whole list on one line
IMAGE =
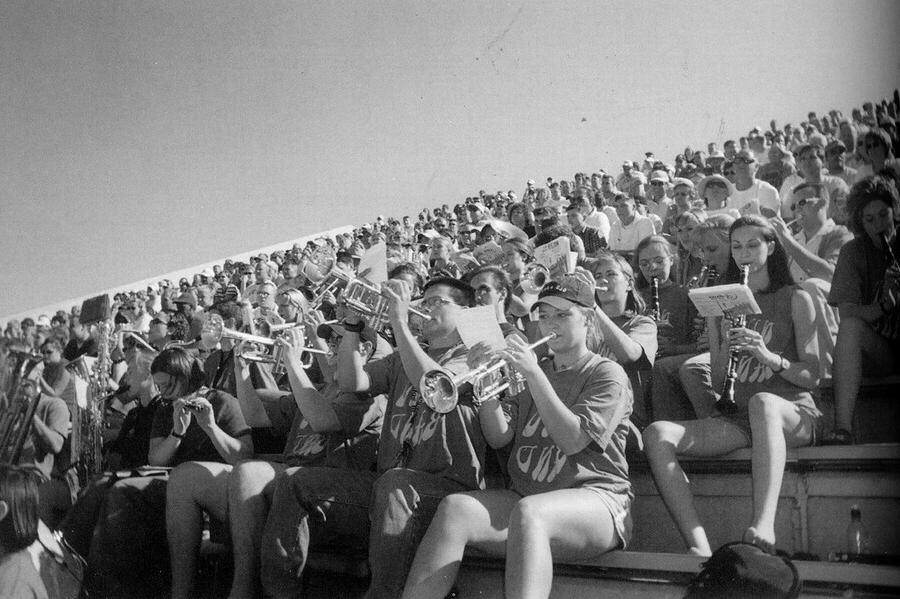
[(569, 496), (324, 427), (777, 365), (621, 331), (423, 455), (188, 426)]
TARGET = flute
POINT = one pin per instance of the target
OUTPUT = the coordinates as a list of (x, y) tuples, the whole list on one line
[(726, 403)]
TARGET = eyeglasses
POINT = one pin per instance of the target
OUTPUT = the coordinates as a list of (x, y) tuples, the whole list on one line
[(743, 161), (433, 302), (728, 173), (657, 183)]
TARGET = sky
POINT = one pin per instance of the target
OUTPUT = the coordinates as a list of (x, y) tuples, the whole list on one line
[(140, 138)]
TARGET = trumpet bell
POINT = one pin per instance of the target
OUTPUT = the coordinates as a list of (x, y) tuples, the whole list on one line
[(535, 277), (212, 331), (319, 265), (439, 391)]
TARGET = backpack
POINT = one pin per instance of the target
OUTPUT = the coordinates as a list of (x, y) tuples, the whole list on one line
[(741, 570)]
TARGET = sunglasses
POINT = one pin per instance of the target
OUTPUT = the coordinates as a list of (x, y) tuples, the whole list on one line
[(801, 203), (657, 183)]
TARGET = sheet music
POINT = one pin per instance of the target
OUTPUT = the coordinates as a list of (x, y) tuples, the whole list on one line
[(480, 324), (734, 299)]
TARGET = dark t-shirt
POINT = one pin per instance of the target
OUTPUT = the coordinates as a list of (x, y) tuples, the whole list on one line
[(354, 446), (449, 445), (196, 445), (675, 319), (133, 441)]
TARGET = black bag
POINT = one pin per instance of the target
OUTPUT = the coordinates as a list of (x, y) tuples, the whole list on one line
[(741, 570)]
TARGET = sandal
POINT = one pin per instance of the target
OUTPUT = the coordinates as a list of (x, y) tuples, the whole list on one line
[(839, 436)]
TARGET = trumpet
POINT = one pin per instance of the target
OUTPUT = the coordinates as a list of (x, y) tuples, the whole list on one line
[(726, 404), (214, 330), (366, 300), (332, 283), (535, 277), (440, 391), (319, 265)]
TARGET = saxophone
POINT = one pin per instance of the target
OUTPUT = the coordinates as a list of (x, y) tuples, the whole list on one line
[(87, 430)]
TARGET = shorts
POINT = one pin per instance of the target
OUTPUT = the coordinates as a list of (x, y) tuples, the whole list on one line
[(619, 506)]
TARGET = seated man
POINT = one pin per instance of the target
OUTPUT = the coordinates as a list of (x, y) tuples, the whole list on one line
[(423, 454), (631, 227), (49, 430), (812, 254), (327, 428)]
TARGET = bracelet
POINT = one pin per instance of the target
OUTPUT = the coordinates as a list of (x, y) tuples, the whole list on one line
[(781, 365), (354, 328), (176, 435)]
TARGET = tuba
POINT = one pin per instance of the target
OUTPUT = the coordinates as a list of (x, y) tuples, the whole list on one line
[(15, 426), (440, 391)]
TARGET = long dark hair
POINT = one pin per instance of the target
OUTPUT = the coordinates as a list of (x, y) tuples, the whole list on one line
[(19, 491), (865, 191), (776, 264), (634, 303), (181, 366)]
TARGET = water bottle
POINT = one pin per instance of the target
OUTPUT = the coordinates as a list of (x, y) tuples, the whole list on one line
[(857, 537)]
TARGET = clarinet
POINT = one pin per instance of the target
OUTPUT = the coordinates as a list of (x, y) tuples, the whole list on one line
[(655, 310), (726, 404)]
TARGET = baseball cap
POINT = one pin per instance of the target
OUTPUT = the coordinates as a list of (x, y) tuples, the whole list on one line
[(573, 288), (324, 331), (835, 146), (659, 176)]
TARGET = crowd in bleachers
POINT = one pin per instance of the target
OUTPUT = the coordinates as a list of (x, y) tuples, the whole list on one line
[(384, 446)]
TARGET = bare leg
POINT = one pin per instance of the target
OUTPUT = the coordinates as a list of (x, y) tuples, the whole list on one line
[(249, 497), (480, 518), (695, 375), (663, 441), (855, 341), (776, 424), (193, 487), (564, 524)]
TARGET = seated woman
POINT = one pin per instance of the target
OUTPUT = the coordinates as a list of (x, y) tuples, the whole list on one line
[(33, 564), (777, 353), (688, 264), (128, 554), (324, 428), (621, 331), (865, 290), (692, 384), (673, 313), (569, 496)]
